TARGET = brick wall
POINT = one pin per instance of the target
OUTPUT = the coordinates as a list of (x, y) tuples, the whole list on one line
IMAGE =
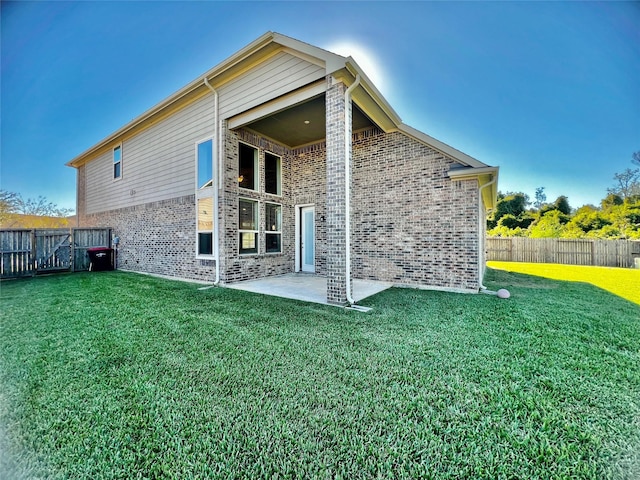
[(411, 224), (157, 237), (308, 186), (238, 267)]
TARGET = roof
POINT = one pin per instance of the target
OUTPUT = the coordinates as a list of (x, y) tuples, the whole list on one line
[(367, 97)]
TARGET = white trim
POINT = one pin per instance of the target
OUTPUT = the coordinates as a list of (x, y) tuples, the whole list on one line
[(241, 230), (206, 192), (471, 172), (298, 231), (274, 106), (272, 232), (113, 163)]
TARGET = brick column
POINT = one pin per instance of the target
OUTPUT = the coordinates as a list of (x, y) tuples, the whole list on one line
[(336, 253)]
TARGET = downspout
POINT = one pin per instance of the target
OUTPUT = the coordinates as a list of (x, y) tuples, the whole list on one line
[(216, 230), (480, 267), (347, 182)]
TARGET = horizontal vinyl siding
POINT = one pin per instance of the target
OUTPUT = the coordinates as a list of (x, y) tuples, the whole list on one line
[(278, 75), (157, 164)]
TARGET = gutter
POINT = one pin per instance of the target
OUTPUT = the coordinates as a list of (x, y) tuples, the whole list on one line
[(216, 189), (483, 289), (347, 183)]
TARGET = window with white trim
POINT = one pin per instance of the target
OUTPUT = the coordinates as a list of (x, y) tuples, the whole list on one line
[(273, 227), (117, 162), (247, 166), (247, 226), (204, 198), (272, 174)]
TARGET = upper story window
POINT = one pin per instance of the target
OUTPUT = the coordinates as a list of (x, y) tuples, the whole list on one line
[(248, 167), (205, 214), (117, 162), (272, 174), (205, 164)]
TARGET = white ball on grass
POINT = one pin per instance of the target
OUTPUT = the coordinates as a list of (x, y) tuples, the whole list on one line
[(503, 293)]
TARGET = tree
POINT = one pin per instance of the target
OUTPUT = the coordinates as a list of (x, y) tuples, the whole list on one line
[(611, 200), (549, 225), (541, 198), (628, 183), (8, 204), (12, 202), (16, 212), (562, 204), (511, 203)]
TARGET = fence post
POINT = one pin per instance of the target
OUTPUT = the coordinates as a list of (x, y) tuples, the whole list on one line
[(72, 241), (34, 261)]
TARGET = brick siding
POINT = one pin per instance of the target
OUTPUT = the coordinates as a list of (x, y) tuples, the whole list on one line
[(411, 224), (157, 237)]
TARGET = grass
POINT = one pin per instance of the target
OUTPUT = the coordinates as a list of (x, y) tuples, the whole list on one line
[(624, 282), (117, 375)]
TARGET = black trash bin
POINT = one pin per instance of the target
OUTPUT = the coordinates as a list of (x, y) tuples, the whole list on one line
[(101, 258)]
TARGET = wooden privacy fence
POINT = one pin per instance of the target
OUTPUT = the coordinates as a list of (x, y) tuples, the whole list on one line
[(606, 253), (30, 252)]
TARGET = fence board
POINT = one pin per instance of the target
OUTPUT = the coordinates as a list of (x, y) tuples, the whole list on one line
[(27, 252), (16, 253), (579, 251), (85, 238)]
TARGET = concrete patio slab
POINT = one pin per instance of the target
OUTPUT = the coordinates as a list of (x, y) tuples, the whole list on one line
[(306, 287)]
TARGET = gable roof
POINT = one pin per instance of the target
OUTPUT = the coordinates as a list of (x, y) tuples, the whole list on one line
[(366, 96)]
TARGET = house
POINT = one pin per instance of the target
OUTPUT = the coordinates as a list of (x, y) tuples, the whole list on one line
[(286, 158)]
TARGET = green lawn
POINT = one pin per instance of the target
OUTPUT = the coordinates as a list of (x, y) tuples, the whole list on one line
[(624, 282), (117, 375)]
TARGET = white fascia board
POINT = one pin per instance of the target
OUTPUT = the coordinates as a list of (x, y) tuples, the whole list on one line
[(487, 178), (372, 91), (472, 172), (332, 61), (442, 147), (277, 105)]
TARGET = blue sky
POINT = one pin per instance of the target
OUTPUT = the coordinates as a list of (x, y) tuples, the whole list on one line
[(548, 91)]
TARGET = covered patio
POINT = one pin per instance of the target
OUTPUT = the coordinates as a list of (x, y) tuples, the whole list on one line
[(306, 287)]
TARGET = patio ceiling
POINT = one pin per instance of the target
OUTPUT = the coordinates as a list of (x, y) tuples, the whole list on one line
[(302, 124)]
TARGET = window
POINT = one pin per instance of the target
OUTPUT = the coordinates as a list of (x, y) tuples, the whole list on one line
[(248, 226), (205, 226), (248, 166), (273, 228), (117, 162), (272, 174), (204, 198), (205, 164)]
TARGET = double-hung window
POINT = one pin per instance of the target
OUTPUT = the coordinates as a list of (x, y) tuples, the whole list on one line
[(204, 198), (117, 162), (248, 226), (273, 228)]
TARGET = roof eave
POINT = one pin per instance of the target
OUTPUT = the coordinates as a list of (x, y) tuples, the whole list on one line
[(487, 178)]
